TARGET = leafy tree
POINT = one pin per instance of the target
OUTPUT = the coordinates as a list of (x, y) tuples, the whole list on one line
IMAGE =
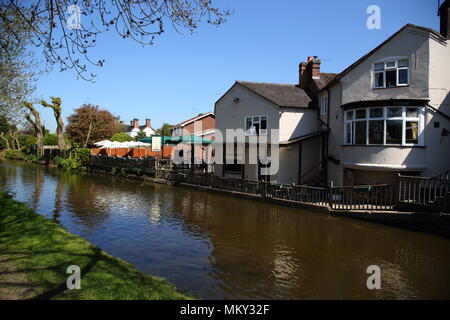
[(89, 124), (140, 135), (122, 137), (66, 33), (17, 64), (165, 130)]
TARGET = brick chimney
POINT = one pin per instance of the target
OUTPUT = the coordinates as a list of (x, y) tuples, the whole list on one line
[(309, 71), (147, 123), (135, 123), (444, 14)]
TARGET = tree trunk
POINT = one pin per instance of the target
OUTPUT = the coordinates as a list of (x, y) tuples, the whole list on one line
[(36, 124), (2, 135), (56, 106), (15, 140), (88, 135), (91, 120)]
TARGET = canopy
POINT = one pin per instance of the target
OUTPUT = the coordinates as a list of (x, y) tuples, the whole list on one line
[(106, 144)]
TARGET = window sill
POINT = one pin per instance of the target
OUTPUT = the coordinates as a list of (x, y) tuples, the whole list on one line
[(382, 145), (405, 86)]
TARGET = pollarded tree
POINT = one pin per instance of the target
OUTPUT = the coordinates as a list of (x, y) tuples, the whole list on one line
[(67, 29), (56, 107), (89, 124), (36, 123)]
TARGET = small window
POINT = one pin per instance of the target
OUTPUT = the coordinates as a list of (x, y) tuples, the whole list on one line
[(391, 74), (323, 106), (256, 125), (248, 123)]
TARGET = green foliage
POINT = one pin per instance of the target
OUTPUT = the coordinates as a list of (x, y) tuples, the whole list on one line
[(122, 137), (34, 158), (27, 143), (82, 156), (78, 159), (67, 163), (14, 154), (140, 135), (50, 140), (44, 249), (165, 130)]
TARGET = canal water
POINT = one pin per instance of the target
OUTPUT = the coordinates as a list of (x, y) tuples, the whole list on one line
[(220, 247)]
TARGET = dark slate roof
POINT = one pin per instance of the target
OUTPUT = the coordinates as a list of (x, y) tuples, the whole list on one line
[(325, 78), (283, 95)]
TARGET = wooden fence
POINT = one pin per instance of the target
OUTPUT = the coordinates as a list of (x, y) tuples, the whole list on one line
[(411, 193), (426, 192)]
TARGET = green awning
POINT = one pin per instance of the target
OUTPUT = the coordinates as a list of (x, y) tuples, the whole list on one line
[(165, 140), (191, 139)]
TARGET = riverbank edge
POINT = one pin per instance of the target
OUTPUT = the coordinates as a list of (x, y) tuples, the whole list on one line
[(435, 223), (35, 253)]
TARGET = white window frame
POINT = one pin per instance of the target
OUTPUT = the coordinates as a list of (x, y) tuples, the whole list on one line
[(396, 67), (420, 119), (323, 105), (262, 132)]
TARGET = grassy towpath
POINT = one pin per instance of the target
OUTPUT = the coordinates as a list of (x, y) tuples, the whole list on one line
[(36, 252)]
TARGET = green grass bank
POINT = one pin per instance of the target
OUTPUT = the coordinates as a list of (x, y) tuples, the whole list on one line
[(35, 253)]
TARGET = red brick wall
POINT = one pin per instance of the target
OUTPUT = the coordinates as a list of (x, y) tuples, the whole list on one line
[(208, 122)]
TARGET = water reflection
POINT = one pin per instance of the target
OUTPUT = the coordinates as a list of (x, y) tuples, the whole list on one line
[(217, 246)]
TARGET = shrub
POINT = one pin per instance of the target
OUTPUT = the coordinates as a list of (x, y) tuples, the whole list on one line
[(51, 140), (14, 154), (122, 137), (82, 156), (78, 159), (27, 142), (34, 158)]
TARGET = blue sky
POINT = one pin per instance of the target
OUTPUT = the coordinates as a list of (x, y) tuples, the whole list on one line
[(181, 76)]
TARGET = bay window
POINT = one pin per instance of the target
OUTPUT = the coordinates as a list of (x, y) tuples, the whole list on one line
[(391, 73), (256, 125), (383, 126)]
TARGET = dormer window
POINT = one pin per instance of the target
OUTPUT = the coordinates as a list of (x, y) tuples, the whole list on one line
[(391, 73)]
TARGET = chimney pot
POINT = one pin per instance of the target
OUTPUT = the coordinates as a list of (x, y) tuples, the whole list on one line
[(310, 58), (147, 123), (136, 123)]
